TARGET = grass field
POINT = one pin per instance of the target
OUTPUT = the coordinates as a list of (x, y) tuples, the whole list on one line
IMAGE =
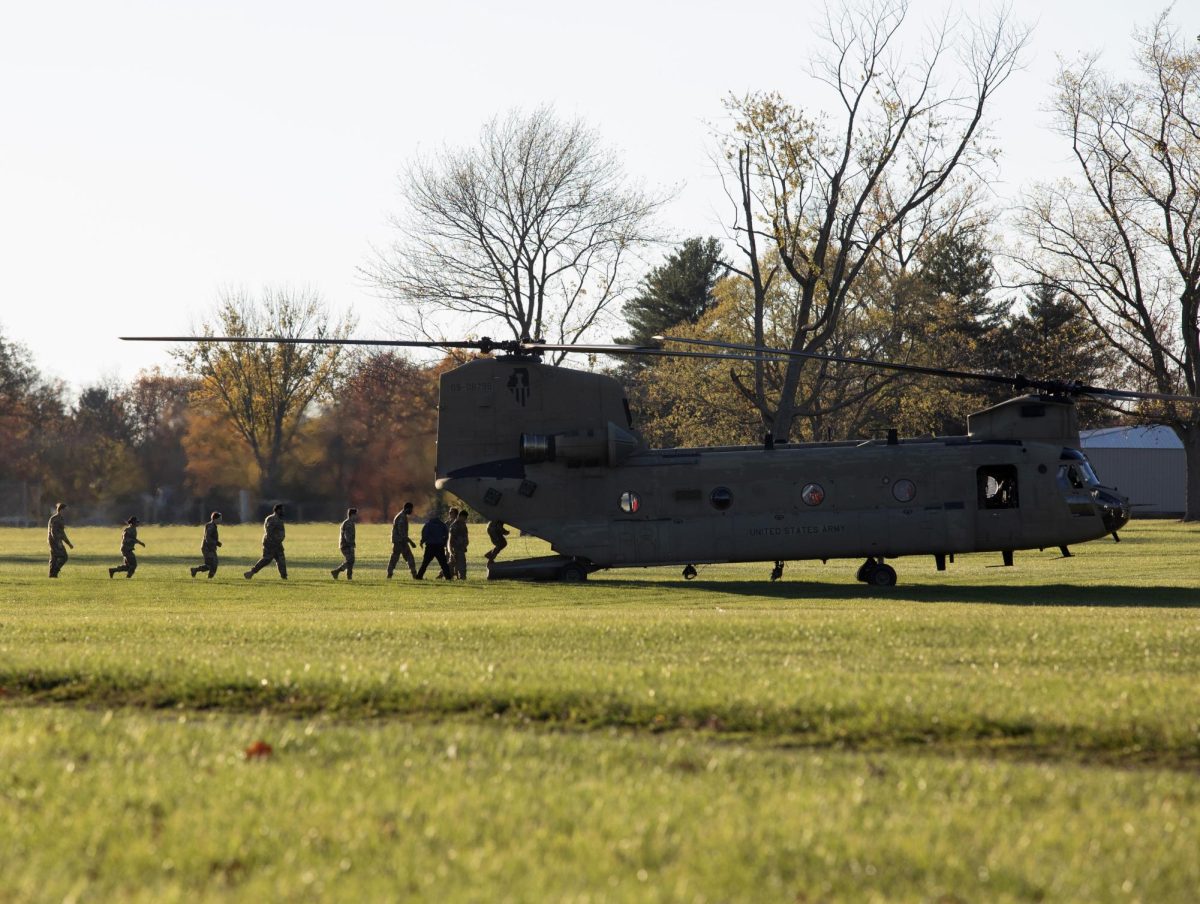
[(1024, 734)]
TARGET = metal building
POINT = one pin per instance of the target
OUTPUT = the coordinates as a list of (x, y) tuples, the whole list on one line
[(1147, 464)]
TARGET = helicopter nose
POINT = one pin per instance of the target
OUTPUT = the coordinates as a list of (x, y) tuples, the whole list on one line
[(1114, 510)]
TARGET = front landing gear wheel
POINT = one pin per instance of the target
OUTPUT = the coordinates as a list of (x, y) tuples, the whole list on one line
[(689, 573)]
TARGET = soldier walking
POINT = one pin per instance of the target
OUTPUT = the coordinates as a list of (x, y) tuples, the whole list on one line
[(272, 545), (401, 544), (459, 540), (433, 537), (496, 533), (208, 548), (56, 535), (129, 540), (346, 545), (450, 549)]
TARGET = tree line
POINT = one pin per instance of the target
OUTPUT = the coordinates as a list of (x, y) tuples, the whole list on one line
[(316, 425)]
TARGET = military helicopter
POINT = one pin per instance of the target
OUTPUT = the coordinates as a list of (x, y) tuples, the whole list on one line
[(553, 451)]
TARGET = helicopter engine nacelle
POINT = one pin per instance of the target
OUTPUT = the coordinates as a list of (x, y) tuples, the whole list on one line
[(608, 446)]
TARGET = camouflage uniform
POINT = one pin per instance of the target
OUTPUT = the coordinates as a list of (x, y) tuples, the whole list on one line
[(401, 545), (459, 540), (129, 562), (56, 534), (272, 547), (449, 548), (208, 549), (346, 545), (496, 533)]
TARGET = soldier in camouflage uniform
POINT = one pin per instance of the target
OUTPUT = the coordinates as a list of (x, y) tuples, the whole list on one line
[(56, 535), (401, 544), (346, 545), (129, 540), (208, 548), (272, 545), (459, 540), (449, 549)]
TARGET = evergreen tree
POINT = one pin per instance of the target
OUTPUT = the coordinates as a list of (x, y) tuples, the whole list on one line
[(679, 290)]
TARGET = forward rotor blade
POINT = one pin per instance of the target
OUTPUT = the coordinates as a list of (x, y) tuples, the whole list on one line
[(286, 340), (1017, 382)]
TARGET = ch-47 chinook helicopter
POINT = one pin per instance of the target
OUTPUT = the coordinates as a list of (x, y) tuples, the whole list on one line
[(553, 452)]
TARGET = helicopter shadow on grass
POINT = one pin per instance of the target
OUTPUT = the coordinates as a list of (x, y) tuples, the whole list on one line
[(1111, 596)]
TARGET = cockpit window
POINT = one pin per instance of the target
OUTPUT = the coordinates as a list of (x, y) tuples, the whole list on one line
[(1077, 476), (1075, 471)]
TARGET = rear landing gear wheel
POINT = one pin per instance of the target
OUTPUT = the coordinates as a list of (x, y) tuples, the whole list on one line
[(883, 576), (689, 572), (865, 570), (572, 574)]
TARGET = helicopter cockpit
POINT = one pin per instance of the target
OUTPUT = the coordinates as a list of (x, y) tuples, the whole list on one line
[(1075, 472), (1080, 486)]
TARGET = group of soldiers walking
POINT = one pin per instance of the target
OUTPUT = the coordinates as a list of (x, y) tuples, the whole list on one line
[(445, 542)]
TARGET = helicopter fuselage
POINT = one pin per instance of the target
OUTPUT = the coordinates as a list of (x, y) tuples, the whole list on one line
[(540, 448)]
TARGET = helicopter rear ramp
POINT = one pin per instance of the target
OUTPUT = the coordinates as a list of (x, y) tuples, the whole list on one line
[(540, 568)]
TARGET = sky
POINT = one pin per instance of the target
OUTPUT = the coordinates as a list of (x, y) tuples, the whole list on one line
[(153, 154)]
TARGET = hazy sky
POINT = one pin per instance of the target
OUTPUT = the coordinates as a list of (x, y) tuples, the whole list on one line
[(152, 153)]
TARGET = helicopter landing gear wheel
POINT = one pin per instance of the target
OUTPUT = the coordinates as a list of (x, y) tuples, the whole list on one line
[(876, 573), (572, 574), (865, 570), (883, 576), (777, 571), (689, 573)]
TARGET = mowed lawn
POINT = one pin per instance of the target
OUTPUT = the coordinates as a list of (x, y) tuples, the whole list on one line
[(987, 733)]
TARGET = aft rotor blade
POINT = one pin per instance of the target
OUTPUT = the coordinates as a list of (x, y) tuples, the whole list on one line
[(1017, 382), (652, 351)]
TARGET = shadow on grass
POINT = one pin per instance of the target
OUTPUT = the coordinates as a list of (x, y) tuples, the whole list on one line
[(1112, 596)]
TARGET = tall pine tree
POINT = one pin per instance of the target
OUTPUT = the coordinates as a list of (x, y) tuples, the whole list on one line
[(677, 291)]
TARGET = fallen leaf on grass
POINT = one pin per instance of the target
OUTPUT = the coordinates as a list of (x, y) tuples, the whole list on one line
[(258, 750)]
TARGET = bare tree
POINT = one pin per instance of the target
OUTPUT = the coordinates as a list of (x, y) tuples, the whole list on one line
[(833, 200), (531, 228), (263, 391), (1124, 240)]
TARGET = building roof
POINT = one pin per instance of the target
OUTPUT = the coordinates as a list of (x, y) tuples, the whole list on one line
[(1155, 436)]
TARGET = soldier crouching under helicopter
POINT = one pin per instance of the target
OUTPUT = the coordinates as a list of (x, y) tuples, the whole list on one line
[(208, 548), (272, 545), (496, 533), (346, 543), (56, 535), (129, 540)]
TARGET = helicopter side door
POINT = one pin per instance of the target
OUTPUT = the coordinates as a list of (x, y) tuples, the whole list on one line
[(998, 496)]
